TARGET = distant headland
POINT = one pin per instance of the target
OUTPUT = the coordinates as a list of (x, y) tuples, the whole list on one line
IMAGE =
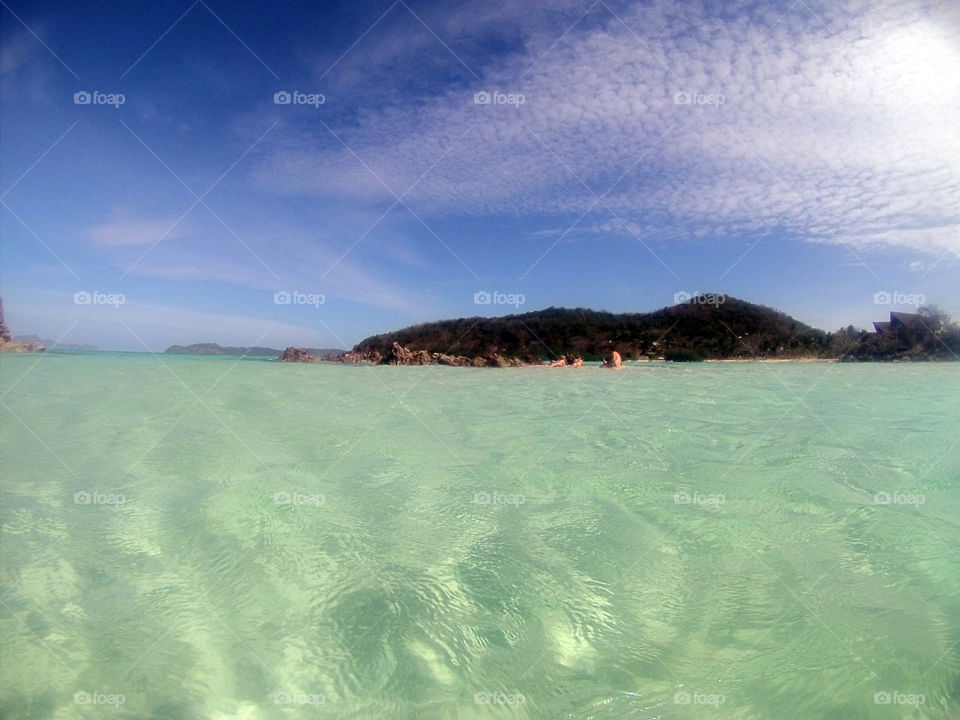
[(255, 351)]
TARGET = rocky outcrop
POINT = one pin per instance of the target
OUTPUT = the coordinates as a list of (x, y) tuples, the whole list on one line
[(353, 357), (5, 334), (400, 355), (295, 354), (9, 344), (452, 360)]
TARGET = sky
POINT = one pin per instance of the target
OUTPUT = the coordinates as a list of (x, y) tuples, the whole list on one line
[(313, 173)]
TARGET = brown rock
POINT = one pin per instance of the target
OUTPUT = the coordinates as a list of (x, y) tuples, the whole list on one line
[(400, 355), (355, 357), (295, 354)]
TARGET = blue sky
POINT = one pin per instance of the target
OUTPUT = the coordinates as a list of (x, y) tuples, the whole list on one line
[(799, 154)]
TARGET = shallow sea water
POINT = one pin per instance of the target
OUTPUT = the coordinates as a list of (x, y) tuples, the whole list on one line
[(209, 537)]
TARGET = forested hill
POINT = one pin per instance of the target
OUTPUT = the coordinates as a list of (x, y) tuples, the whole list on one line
[(710, 326)]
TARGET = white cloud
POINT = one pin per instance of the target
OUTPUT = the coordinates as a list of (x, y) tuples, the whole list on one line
[(837, 127), (125, 228)]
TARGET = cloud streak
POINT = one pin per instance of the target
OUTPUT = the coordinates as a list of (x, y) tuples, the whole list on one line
[(836, 126)]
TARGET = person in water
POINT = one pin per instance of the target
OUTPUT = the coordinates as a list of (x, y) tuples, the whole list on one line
[(567, 361), (614, 361)]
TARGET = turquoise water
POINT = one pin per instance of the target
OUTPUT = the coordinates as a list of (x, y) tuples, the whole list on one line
[(204, 537)]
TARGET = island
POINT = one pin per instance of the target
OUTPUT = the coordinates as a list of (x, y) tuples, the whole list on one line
[(708, 327)]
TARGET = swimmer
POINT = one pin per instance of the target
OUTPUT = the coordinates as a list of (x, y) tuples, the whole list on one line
[(614, 361)]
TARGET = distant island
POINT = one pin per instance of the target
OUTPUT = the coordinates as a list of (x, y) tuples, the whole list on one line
[(54, 345), (214, 349)]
